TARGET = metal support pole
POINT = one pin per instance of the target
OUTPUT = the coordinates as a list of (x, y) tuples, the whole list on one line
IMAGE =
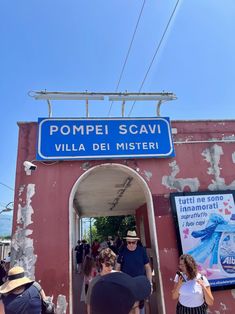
[(87, 109), (90, 232), (81, 225), (49, 108), (123, 108), (158, 108)]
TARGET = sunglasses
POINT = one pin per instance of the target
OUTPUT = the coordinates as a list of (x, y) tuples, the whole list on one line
[(131, 242), (108, 264)]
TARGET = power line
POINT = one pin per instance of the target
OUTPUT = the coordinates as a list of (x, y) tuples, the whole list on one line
[(7, 186), (155, 54), (127, 55)]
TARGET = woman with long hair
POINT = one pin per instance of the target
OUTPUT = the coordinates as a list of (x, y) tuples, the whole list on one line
[(191, 289)]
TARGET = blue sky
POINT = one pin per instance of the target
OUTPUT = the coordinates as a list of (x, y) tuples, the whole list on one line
[(76, 45)]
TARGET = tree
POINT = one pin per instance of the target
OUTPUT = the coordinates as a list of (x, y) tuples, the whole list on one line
[(114, 225), (91, 235)]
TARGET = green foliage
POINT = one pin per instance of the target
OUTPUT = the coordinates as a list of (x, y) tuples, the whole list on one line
[(91, 235), (113, 225), (5, 238)]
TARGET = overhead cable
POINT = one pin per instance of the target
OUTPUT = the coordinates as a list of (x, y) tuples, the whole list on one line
[(127, 55), (7, 186), (155, 53)]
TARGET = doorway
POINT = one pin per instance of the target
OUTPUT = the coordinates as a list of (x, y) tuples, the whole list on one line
[(113, 189)]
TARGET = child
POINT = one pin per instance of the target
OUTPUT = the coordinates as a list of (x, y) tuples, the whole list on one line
[(89, 270)]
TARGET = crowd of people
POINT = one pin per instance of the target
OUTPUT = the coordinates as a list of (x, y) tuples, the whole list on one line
[(114, 256), (117, 279), (83, 249), (109, 266)]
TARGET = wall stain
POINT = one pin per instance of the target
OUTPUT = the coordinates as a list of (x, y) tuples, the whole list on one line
[(22, 249), (213, 155), (179, 183)]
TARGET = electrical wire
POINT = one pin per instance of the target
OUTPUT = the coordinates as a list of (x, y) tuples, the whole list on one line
[(155, 53), (127, 55), (7, 186)]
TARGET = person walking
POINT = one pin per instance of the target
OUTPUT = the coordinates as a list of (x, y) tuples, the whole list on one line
[(191, 289), (106, 261), (79, 256), (2, 272), (133, 259), (89, 271), (95, 248)]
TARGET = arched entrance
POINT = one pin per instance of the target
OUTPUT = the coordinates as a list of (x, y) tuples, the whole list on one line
[(113, 189)]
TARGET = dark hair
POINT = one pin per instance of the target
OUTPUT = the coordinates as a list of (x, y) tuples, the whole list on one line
[(190, 265), (88, 265)]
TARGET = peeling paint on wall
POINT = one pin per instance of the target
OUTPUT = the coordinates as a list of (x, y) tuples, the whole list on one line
[(179, 183), (233, 293), (24, 213), (21, 189), (85, 166), (61, 305), (212, 156), (230, 137), (223, 306), (233, 157), (22, 250), (148, 175)]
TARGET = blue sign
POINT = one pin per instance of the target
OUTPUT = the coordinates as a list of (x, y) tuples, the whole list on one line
[(68, 139)]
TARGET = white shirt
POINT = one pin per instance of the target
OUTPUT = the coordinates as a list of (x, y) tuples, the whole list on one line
[(190, 293)]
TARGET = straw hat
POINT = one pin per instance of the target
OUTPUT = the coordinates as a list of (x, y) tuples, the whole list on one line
[(131, 235), (16, 278)]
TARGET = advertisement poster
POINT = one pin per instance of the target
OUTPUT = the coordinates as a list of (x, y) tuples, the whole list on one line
[(205, 224)]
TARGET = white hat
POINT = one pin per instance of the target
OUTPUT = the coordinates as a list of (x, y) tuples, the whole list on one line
[(131, 235)]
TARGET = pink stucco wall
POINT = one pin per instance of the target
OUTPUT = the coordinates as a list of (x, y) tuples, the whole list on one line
[(204, 161)]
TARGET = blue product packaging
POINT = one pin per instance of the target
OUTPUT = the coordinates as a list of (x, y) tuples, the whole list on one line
[(226, 253)]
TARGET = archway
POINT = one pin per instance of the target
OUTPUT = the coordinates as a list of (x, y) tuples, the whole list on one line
[(109, 172)]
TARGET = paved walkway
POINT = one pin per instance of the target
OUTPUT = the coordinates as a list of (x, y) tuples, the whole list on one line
[(78, 306)]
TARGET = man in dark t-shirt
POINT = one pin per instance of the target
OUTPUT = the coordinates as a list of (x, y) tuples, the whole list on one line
[(27, 301), (133, 259), (133, 262), (19, 295)]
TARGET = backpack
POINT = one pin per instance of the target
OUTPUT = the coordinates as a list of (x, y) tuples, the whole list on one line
[(47, 305)]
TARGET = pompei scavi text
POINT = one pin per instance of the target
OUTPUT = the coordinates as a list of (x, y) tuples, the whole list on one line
[(100, 129)]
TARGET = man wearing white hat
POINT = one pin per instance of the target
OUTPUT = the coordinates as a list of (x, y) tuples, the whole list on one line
[(133, 259)]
